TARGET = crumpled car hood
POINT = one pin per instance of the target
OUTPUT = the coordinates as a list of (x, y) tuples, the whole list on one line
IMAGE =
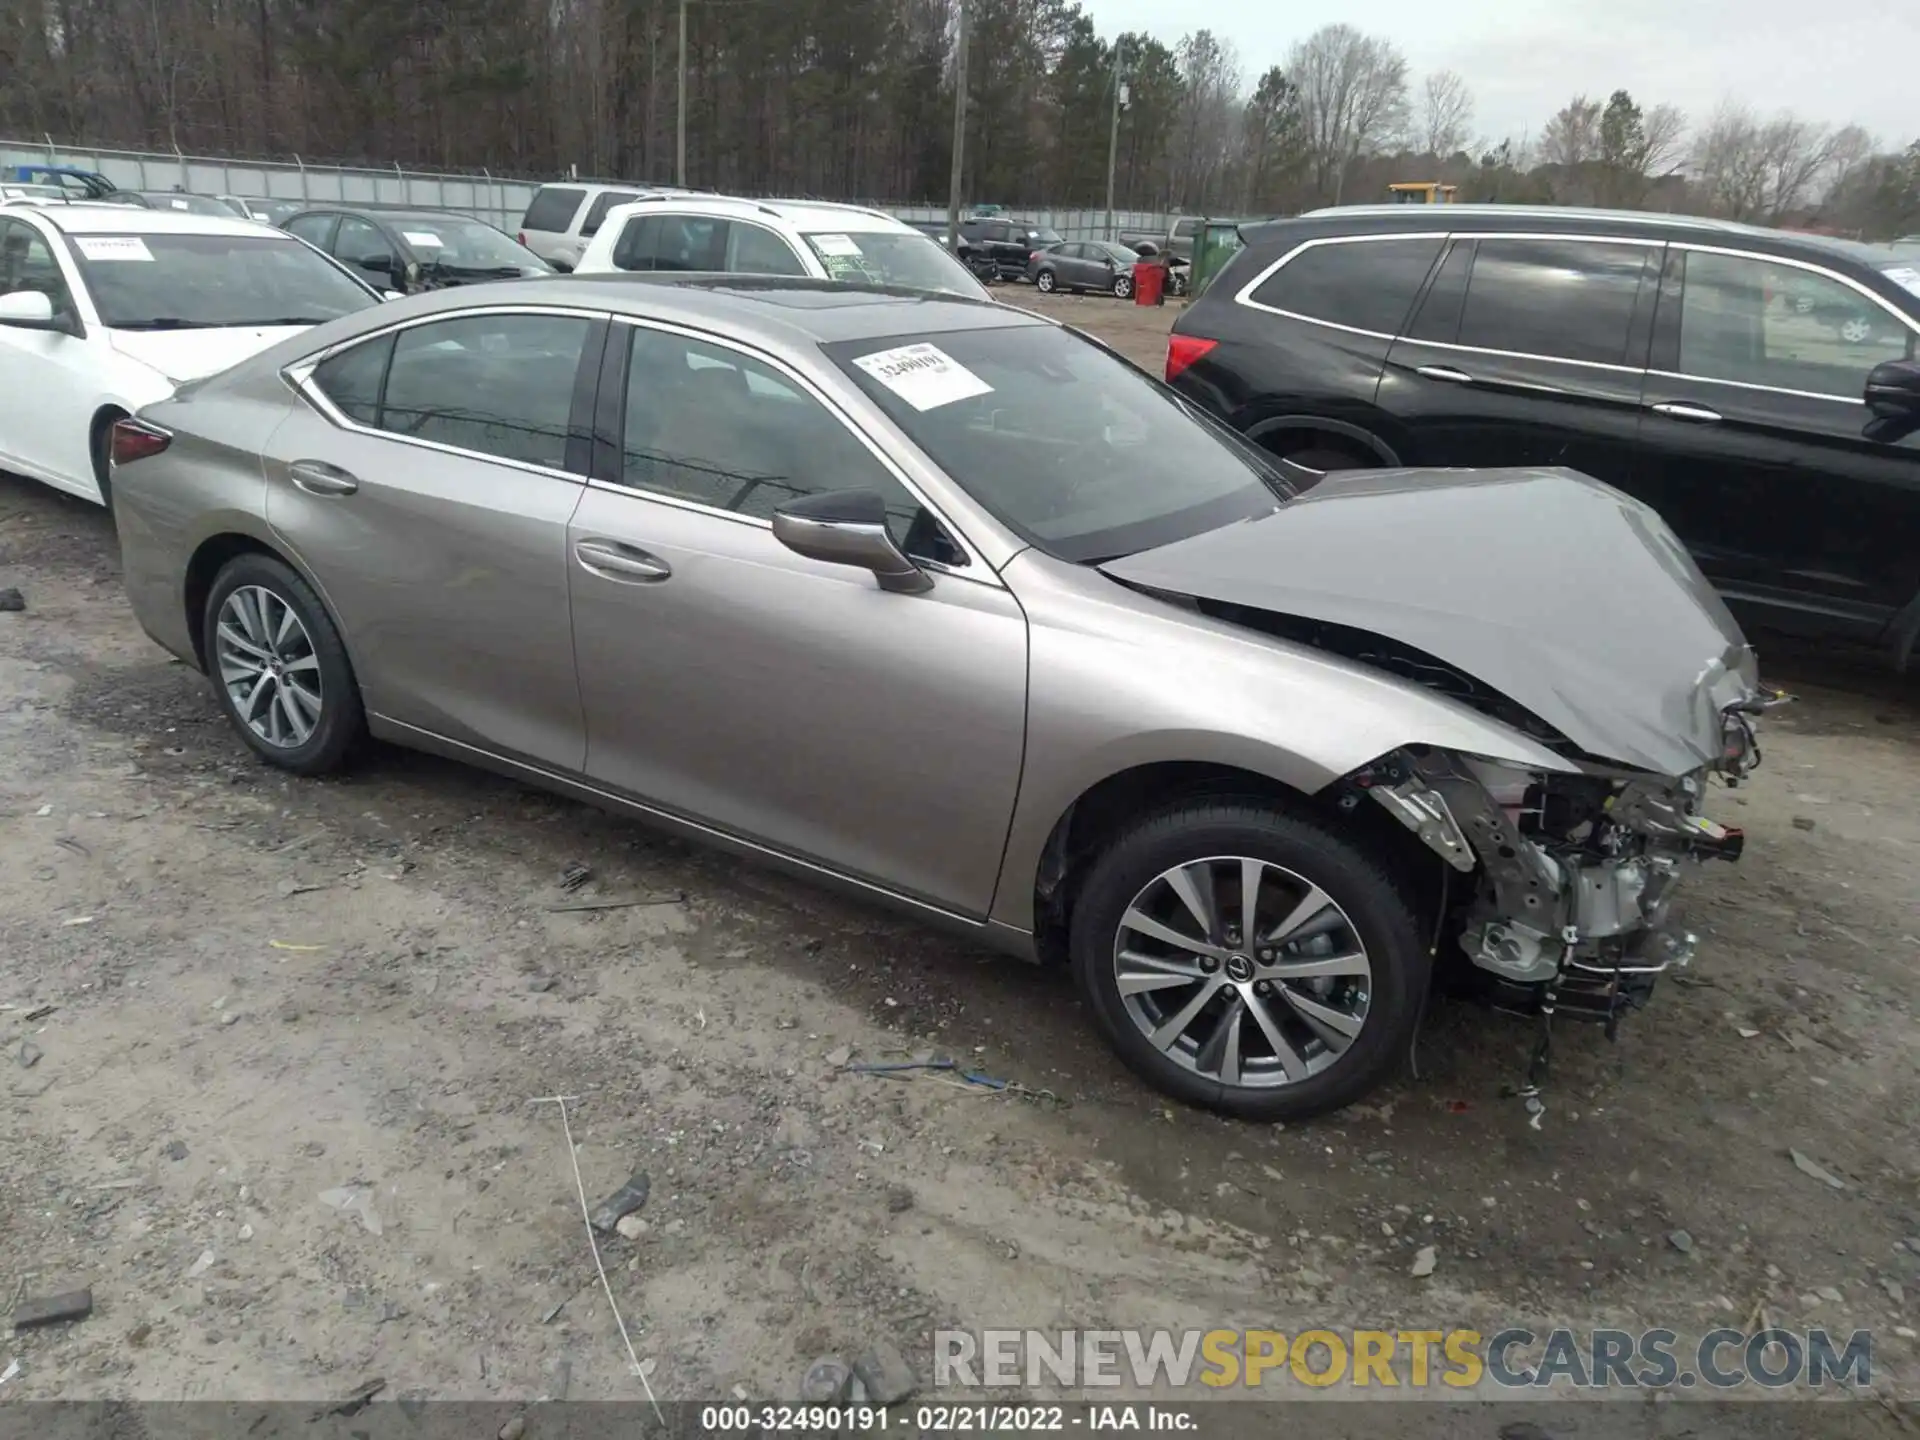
[(1571, 599)]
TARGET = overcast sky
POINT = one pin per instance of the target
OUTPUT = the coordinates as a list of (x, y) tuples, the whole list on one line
[(1851, 62)]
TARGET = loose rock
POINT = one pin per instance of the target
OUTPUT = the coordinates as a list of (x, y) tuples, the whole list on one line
[(12, 599), (884, 1371), (825, 1381), (623, 1202), (1681, 1241), (1424, 1259), (513, 1429), (1896, 1292), (201, 1266), (899, 1198), (541, 984), (174, 1150), (631, 1227), (52, 1309), (840, 1056), (29, 1054), (1818, 1172), (1803, 822)]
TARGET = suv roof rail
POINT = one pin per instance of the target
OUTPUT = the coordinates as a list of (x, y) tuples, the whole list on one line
[(1526, 212)]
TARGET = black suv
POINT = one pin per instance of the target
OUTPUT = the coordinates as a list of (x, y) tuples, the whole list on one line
[(1758, 388), (1001, 247)]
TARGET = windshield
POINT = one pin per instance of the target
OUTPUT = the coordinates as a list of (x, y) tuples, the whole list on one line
[(894, 257), (1119, 254), (181, 282), (1067, 445), (1041, 236), (453, 242)]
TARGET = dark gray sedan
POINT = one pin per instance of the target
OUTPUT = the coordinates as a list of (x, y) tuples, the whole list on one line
[(1082, 265)]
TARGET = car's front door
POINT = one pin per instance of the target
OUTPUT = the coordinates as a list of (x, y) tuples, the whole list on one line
[(52, 378), (428, 491), (1527, 350), (365, 246), (1796, 501), (789, 702)]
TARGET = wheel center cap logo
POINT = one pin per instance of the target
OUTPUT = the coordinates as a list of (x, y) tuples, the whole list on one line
[(1239, 968)]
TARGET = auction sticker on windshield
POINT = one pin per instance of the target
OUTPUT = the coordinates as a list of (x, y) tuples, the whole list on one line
[(112, 247), (924, 376), (424, 237), (835, 245)]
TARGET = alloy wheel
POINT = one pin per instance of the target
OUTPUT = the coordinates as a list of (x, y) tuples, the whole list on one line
[(1242, 971), (1857, 332), (1044, 282), (1123, 288), (268, 667)]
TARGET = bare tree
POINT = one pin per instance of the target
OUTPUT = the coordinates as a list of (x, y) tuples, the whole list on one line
[(1572, 137), (1353, 99), (1446, 112), (1754, 169), (1635, 149), (1210, 84)]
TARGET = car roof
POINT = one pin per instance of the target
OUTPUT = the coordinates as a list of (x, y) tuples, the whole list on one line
[(81, 218), (778, 310), (1574, 220), (383, 212), (801, 214)]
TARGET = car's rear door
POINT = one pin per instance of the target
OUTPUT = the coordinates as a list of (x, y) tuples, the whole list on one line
[(1760, 450), (791, 703), (427, 488), (1527, 350)]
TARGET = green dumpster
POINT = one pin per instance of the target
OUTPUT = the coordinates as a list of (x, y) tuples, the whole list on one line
[(1217, 243)]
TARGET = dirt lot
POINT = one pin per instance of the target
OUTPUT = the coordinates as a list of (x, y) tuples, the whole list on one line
[(266, 989)]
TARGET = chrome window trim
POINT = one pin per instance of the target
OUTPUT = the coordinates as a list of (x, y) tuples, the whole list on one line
[(976, 568), (1811, 266), (1245, 295), (299, 374)]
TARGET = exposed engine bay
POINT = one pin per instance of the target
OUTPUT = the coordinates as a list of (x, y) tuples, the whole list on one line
[(1573, 874)]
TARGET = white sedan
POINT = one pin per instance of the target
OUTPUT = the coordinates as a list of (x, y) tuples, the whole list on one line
[(106, 308)]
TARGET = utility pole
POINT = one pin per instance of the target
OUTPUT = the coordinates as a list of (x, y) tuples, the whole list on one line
[(959, 133), (680, 144), (1113, 131)]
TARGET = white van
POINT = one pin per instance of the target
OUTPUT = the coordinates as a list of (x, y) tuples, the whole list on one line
[(723, 233)]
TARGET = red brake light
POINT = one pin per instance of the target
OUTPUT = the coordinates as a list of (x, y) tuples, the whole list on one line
[(1183, 350), (521, 237), (1033, 256), (133, 440)]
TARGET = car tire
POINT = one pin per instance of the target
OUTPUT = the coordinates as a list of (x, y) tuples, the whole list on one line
[(1044, 282), (264, 656), (1299, 859), (1123, 287)]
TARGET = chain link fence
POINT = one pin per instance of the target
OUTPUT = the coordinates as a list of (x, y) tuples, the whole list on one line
[(498, 200)]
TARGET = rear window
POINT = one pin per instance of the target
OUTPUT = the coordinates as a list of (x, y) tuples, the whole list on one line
[(602, 203), (552, 209), (1364, 284)]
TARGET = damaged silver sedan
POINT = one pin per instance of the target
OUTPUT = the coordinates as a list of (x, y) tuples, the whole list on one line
[(950, 606)]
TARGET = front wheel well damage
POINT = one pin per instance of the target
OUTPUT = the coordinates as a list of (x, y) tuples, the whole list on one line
[(1091, 822), (207, 562)]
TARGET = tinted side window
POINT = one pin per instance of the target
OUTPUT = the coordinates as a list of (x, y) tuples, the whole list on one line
[(602, 203), (362, 245), (1569, 299), (352, 379), (710, 425), (633, 250), (552, 208), (1757, 323), (311, 228), (496, 384), (688, 242), (27, 263), (1366, 284), (756, 250), (1438, 318)]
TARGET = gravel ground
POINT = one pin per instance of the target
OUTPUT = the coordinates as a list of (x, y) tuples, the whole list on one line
[(265, 990)]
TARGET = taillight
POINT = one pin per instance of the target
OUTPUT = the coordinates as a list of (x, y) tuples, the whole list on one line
[(132, 440), (521, 237), (1032, 256), (1183, 350)]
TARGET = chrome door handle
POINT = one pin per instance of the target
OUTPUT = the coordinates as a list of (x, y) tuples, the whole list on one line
[(615, 561), (1679, 410), (316, 477), (1446, 373)]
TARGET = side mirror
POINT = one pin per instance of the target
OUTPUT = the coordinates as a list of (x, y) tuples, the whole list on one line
[(849, 527), (29, 310), (378, 264), (1893, 390)]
